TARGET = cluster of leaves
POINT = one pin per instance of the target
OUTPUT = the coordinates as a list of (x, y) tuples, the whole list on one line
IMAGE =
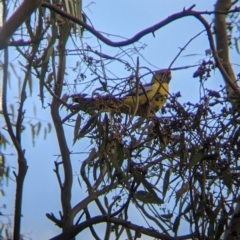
[(188, 157), (180, 167)]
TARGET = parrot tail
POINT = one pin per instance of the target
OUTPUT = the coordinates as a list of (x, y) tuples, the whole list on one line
[(109, 103), (98, 103)]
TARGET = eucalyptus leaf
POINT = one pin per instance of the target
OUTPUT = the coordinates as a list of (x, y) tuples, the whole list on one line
[(91, 123), (147, 197), (166, 181), (227, 177), (142, 179), (176, 224), (198, 157), (76, 128), (162, 141)]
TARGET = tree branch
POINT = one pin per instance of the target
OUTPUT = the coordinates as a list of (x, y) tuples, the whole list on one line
[(65, 154), (22, 163), (221, 34), (138, 36), (127, 224), (16, 20)]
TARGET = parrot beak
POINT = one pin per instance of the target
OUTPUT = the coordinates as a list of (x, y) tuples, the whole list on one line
[(168, 74)]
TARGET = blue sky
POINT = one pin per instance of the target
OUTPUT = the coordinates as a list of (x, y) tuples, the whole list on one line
[(123, 18)]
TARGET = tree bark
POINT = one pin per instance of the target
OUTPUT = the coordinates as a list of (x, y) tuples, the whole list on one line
[(223, 53), (16, 20), (222, 45)]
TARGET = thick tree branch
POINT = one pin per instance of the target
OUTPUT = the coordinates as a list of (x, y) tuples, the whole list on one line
[(152, 29), (16, 20), (223, 52), (22, 163), (134, 39), (92, 197), (221, 34), (62, 142), (127, 224)]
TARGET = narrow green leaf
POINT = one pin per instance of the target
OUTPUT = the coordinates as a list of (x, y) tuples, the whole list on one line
[(38, 126), (166, 182), (166, 216), (141, 178), (183, 189), (129, 234), (75, 9), (45, 60), (198, 115), (49, 50), (196, 158), (119, 152), (49, 127), (11, 106), (79, 15), (2, 162), (29, 27), (187, 209), (76, 128), (160, 136), (103, 133), (226, 177), (32, 132), (176, 224), (104, 85), (182, 141), (211, 232), (106, 128), (7, 174), (211, 214), (237, 46), (88, 126), (147, 197), (95, 168), (84, 19), (45, 133), (64, 98), (34, 110), (118, 159), (3, 141), (79, 182), (182, 149), (30, 83), (106, 201), (50, 78), (236, 137), (222, 222), (218, 208)]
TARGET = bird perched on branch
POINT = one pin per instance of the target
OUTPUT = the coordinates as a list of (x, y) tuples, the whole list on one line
[(144, 101)]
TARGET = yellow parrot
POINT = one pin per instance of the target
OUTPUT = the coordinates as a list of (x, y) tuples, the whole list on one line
[(150, 99)]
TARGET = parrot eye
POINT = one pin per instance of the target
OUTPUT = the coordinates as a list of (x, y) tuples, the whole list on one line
[(157, 97)]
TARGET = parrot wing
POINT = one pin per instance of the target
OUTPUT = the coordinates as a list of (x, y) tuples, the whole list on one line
[(141, 90), (150, 96)]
